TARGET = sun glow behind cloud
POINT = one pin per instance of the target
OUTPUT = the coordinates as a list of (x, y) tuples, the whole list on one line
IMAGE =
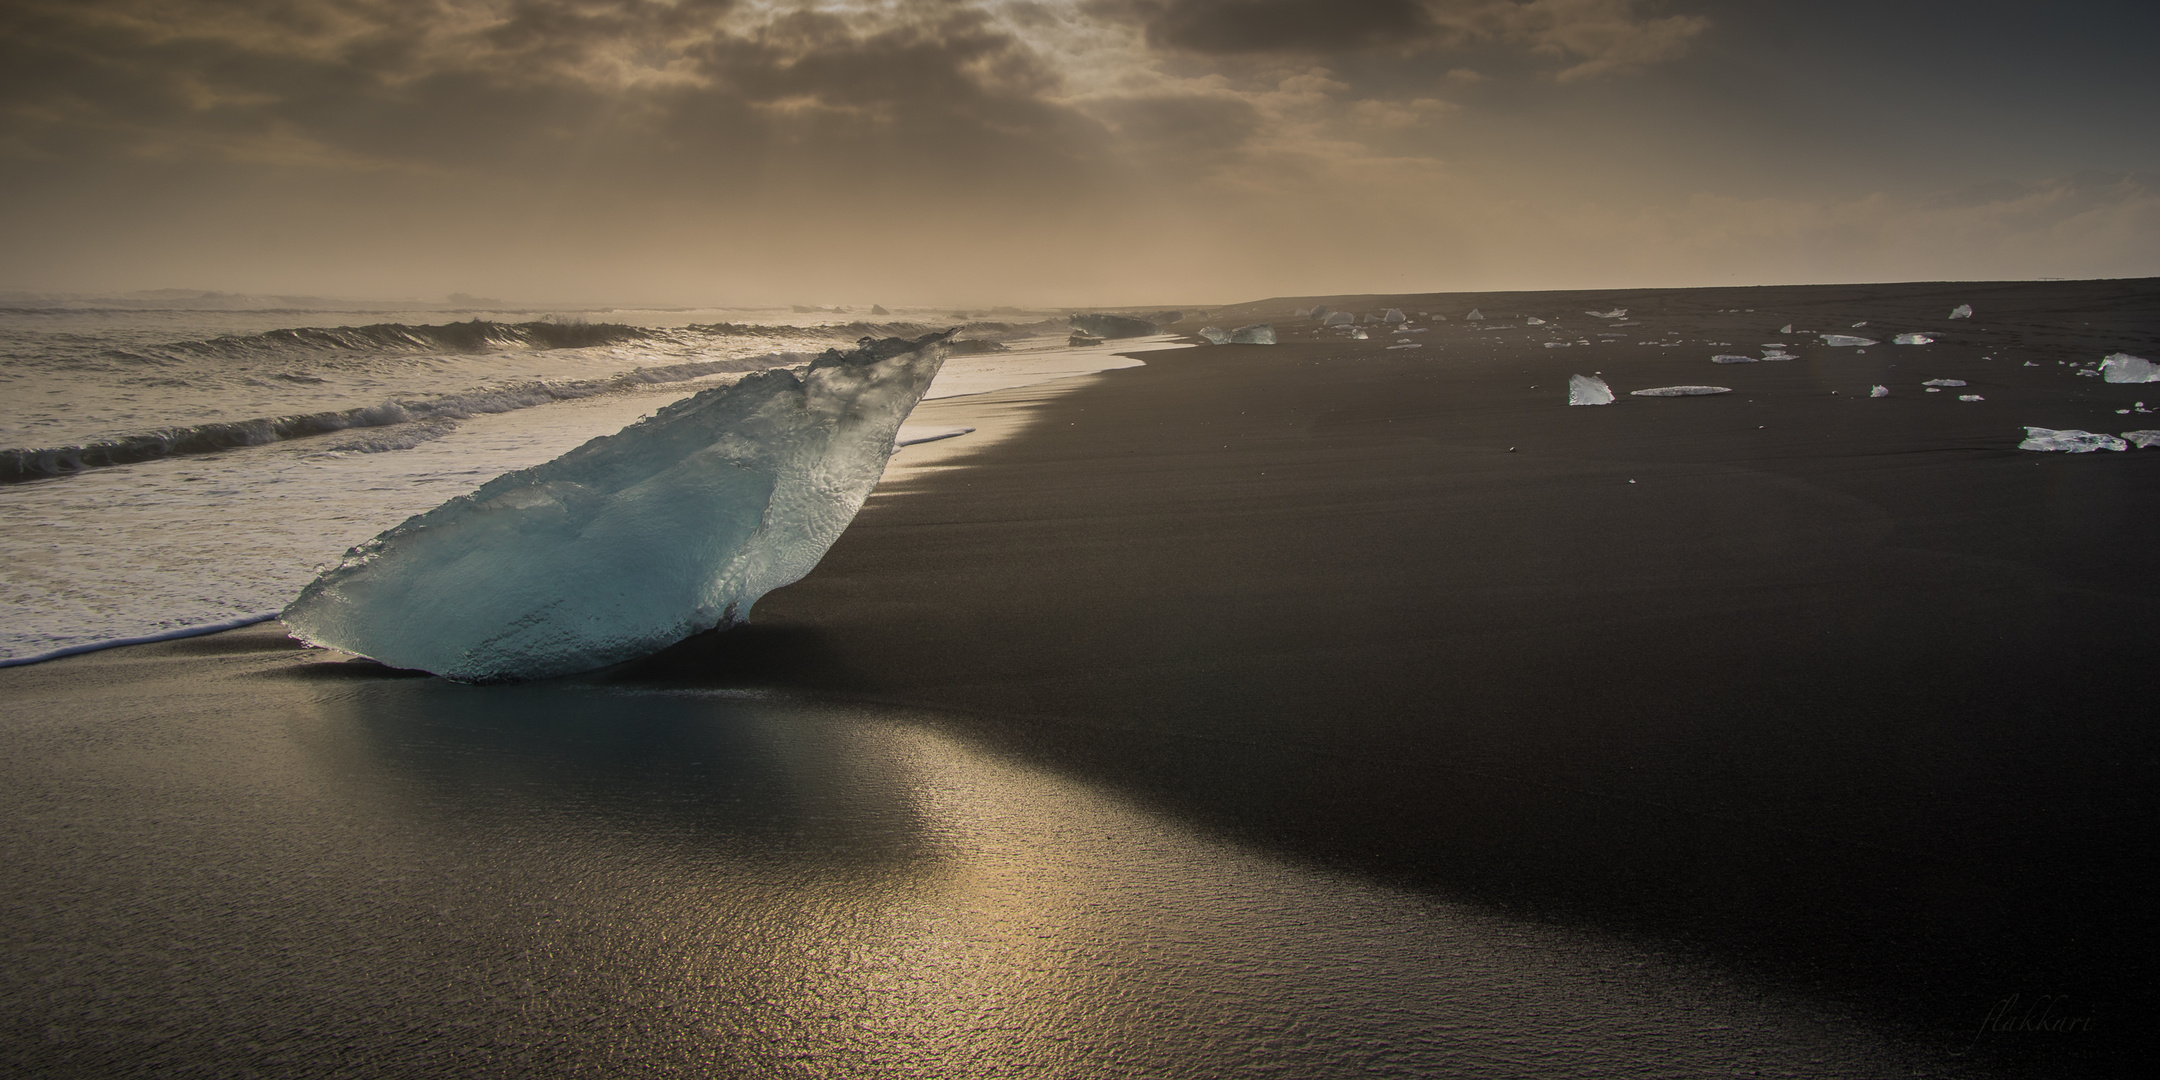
[(948, 150)]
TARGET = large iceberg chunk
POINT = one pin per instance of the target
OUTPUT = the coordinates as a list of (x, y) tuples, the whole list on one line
[(633, 541), (2069, 440), (1339, 318), (2125, 368), (1215, 335), (1256, 334), (1588, 390), (2143, 439), (1962, 311), (1394, 315)]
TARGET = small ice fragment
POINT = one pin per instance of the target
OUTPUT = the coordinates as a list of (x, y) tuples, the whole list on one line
[(1394, 315), (1215, 335), (1729, 358), (1778, 354), (1934, 389), (1860, 324), (1845, 341), (1785, 329), (2143, 439), (2029, 363), (1412, 345), (1475, 314), (1682, 391), (1370, 319), (2071, 441), (1360, 335), (1879, 391), (1962, 311), (1913, 339), (1970, 397), (2125, 368), (1558, 344), (1339, 318), (1256, 334), (2088, 371), (1534, 321), (1616, 313), (1588, 390), (1944, 382)]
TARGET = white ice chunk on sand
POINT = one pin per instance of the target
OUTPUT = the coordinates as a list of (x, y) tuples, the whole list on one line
[(1394, 315), (1777, 354), (634, 541), (1534, 321), (1970, 397), (1733, 358), (1558, 344), (1944, 382), (1962, 311), (1360, 335), (1846, 341), (1475, 314), (1339, 318), (2069, 440), (1256, 334), (1616, 313), (2143, 439), (1682, 391), (1860, 324), (2125, 368), (1879, 391), (1302, 312), (1215, 335), (1588, 390), (1785, 329), (1913, 339)]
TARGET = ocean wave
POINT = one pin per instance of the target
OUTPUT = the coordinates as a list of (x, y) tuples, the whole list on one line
[(18, 466), (477, 336)]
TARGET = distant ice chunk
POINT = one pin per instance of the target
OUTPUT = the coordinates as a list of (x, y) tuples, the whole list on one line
[(1912, 339), (2143, 439), (1859, 324), (1944, 382), (1962, 311), (2125, 368), (1534, 321), (1412, 345), (1588, 390), (1558, 344), (879, 309), (1302, 312), (1682, 391), (1879, 391), (1732, 358), (631, 542), (1785, 329), (1360, 335), (1339, 318), (1255, 334), (1846, 341), (1394, 315), (2070, 441), (1777, 354), (1322, 311), (1215, 335), (1475, 314), (1970, 397), (1616, 313)]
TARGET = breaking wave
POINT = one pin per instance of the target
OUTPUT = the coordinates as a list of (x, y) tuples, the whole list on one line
[(17, 466), (477, 336)]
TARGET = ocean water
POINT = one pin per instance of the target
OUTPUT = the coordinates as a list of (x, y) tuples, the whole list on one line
[(169, 469)]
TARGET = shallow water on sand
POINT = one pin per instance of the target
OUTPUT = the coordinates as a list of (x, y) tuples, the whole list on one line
[(306, 867)]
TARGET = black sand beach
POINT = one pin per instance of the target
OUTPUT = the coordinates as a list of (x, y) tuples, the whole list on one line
[(1787, 730)]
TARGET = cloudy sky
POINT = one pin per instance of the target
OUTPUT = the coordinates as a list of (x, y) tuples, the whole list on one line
[(1048, 152)]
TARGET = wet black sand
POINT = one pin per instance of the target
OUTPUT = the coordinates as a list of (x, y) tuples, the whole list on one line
[(1801, 754), (1848, 692)]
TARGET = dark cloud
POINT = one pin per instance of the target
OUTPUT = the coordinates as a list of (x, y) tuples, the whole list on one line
[(1297, 26)]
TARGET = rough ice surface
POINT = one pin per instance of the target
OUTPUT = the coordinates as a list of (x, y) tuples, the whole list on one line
[(1616, 313), (1913, 339), (1394, 315), (631, 542), (1962, 311), (1339, 318), (1944, 382), (1682, 391), (2125, 368), (1846, 340), (2143, 439), (1588, 390), (1215, 335), (1879, 391), (2070, 440), (1732, 358), (1475, 314), (1256, 334)]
